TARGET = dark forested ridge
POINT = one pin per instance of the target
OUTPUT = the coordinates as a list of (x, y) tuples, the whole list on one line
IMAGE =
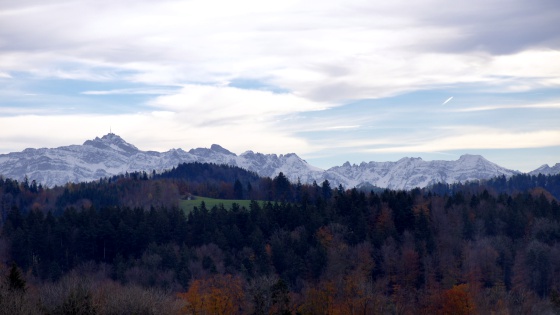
[(208, 173), (512, 185), (109, 246)]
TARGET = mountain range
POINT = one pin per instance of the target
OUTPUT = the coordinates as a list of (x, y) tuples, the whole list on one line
[(547, 170), (111, 155)]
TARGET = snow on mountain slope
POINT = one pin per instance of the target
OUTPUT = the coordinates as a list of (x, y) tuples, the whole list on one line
[(101, 157), (408, 173), (547, 170), (291, 165), (111, 155)]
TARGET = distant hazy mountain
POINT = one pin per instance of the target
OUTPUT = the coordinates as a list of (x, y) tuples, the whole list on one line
[(547, 170), (408, 173), (111, 155)]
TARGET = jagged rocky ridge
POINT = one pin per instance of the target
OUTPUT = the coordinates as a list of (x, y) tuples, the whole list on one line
[(111, 155)]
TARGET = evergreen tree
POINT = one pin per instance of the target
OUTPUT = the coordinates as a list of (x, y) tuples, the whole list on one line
[(281, 186), (238, 190), (15, 279), (326, 190)]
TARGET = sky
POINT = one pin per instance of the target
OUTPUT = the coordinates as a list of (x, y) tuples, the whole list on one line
[(332, 81)]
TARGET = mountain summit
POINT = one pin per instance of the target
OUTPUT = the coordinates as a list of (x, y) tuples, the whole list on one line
[(111, 155), (112, 141)]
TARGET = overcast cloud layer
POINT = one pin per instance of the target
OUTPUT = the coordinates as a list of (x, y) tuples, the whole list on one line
[(329, 80)]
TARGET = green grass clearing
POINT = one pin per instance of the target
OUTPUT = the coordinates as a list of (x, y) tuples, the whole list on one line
[(188, 205)]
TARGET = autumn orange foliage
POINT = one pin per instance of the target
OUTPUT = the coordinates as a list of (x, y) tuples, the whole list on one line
[(219, 294), (457, 301)]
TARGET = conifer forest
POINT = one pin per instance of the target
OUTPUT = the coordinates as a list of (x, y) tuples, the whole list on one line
[(125, 245)]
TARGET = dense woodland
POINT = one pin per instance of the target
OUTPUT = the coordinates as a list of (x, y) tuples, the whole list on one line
[(122, 245)]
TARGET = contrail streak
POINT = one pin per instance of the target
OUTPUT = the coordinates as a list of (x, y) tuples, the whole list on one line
[(447, 100)]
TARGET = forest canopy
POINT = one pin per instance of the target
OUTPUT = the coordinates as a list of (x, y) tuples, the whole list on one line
[(490, 247)]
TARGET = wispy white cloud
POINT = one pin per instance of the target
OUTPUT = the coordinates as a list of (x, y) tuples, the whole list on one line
[(17, 111), (328, 51), (483, 139), (229, 105), (343, 127), (143, 91), (323, 54), (543, 105), (196, 116)]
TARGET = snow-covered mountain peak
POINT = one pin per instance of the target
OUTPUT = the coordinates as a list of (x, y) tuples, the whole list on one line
[(215, 150), (470, 161), (405, 160), (220, 149), (411, 172), (545, 169), (471, 157), (175, 150), (111, 155), (248, 152), (114, 142)]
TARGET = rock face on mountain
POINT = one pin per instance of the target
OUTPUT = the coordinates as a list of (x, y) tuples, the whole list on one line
[(111, 155)]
